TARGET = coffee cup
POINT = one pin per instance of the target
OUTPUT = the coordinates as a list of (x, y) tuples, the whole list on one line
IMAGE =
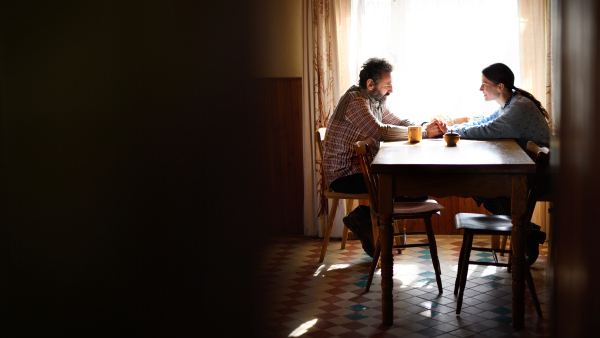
[(414, 134)]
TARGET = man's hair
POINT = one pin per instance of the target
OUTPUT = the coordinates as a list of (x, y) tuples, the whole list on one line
[(372, 69)]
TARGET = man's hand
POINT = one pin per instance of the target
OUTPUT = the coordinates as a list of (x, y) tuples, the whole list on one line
[(443, 127), (435, 128)]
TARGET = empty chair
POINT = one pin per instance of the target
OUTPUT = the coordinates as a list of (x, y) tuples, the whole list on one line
[(402, 211), (481, 224)]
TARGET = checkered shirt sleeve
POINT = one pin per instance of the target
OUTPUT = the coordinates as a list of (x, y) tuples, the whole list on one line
[(358, 123)]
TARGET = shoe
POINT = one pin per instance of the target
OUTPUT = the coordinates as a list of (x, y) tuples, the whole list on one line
[(532, 248), (359, 222)]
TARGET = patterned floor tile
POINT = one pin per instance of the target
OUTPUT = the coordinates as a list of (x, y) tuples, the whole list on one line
[(312, 299)]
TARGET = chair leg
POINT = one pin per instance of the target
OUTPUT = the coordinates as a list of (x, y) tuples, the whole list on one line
[(509, 270), (344, 238), (345, 234), (433, 252), (461, 260), (503, 244), (334, 205), (400, 227), (373, 264), (375, 226), (531, 286), (468, 237)]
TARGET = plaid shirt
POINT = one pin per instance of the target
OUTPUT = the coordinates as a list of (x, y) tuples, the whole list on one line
[(357, 117)]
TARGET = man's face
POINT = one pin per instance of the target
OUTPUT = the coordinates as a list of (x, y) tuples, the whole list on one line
[(381, 90)]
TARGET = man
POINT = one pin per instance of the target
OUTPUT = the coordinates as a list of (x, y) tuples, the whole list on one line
[(361, 114)]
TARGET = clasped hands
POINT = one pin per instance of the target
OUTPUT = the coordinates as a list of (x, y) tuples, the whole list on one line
[(436, 128)]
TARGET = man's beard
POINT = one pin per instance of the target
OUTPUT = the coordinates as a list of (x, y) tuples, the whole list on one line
[(377, 95)]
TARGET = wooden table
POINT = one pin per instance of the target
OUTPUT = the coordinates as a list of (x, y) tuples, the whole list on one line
[(488, 168)]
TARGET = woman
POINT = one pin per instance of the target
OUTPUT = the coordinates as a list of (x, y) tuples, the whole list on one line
[(520, 117)]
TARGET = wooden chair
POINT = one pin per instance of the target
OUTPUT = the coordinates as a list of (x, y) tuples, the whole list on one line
[(402, 211), (532, 150), (335, 198), (481, 224)]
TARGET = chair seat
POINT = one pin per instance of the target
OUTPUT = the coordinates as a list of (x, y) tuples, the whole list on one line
[(428, 206), (483, 223), (342, 195), (547, 198)]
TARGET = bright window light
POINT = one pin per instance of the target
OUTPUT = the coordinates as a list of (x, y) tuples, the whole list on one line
[(319, 270), (338, 266), (303, 328), (438, 49)]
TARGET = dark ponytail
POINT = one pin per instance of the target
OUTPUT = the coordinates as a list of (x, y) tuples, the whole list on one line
[(532, 98), (500, 73)]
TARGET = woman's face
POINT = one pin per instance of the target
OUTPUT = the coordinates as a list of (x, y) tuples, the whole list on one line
[(490, 90)]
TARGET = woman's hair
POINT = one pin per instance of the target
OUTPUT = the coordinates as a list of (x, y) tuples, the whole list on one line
[(500, 73), (372, 69)]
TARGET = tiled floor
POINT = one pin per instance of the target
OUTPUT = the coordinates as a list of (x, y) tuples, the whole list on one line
[(312, 299)]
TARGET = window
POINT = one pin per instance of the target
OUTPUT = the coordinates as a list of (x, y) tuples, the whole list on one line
[(438, 49)]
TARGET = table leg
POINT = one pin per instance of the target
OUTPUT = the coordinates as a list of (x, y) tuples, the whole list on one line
[(386, 235), (518, 239)]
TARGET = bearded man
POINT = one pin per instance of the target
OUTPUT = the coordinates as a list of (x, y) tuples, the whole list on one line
[(362, 114)]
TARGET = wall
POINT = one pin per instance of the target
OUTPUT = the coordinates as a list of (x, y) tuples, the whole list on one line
[(279, 38), (278, 65), (131, 188), (281, 99), (576, 275)]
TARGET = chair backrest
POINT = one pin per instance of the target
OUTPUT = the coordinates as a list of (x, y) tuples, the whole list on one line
[(541, 156), (365, 157), (319, 138)]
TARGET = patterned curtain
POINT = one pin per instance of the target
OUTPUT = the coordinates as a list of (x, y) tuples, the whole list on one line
[(324, 37), (536, 69)]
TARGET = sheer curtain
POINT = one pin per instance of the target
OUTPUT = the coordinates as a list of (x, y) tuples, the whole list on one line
[(438, 49), (325, 31), (536, 65)]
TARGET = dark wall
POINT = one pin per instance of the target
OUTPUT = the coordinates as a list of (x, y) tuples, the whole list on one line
[(130, 169), (576, 274), (281, 100)]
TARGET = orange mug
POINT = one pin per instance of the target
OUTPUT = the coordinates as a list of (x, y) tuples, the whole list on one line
[(414, 134)]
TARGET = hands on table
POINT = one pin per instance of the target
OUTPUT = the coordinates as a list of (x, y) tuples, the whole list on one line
[(436, 128)]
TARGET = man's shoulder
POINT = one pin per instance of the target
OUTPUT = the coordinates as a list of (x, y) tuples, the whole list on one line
[(354, 99), (354, 93)]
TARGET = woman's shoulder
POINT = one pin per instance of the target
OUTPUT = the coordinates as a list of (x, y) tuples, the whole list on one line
[(520, 101)]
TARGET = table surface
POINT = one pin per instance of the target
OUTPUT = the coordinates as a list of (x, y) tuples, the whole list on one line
[(502, 156)]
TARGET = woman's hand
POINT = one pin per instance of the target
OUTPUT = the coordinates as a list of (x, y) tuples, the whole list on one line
[(459, 120)]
